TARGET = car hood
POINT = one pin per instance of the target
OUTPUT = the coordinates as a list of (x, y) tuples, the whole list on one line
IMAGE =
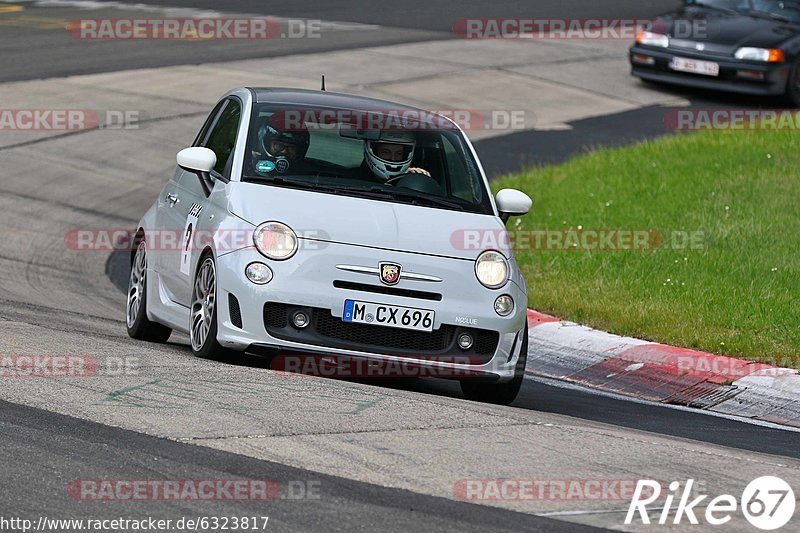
[(366, 222), (725, 32)]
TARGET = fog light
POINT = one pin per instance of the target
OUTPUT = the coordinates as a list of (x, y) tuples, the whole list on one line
[(750, 74), (465, 341), (300, 320), (639, 58), (258, 273), (504, 305)]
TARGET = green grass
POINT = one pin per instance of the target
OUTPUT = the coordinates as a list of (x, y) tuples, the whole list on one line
[(738, 294)]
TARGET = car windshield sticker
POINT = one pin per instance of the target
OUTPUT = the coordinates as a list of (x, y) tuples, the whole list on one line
[(191, 225), (282, 164), (265, 166)]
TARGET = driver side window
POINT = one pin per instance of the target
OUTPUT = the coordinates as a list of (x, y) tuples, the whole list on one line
[(201, 137), (222, 137)]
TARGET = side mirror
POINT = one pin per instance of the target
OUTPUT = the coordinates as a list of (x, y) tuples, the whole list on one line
[(200, 161), (512, 203)]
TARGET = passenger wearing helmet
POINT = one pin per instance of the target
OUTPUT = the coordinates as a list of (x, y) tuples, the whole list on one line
[(391, 155), (279, 147)]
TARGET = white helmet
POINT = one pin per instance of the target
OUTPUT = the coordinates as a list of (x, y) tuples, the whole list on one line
[(384, 168)]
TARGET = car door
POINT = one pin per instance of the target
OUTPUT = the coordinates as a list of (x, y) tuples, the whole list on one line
[(192, 200), (168, 217), (167, 210)]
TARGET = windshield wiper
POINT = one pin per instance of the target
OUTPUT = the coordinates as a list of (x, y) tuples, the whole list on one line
[(375, 191), (371, 192), (431, 200), (774, 16), (728, 10), (287, 182)]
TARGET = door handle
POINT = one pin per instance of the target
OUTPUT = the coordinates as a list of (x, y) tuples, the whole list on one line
[(172, 199)]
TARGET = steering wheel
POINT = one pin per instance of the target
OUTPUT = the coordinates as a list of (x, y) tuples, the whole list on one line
[(417, 181), (392, 181)]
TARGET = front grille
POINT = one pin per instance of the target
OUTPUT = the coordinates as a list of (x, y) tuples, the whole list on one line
[(276, 316), (327, 330), (235, 311), (710, 51), (365, 334), (394, 291)]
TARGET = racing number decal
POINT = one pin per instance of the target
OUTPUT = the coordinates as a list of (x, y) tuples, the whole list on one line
[(188, 231)]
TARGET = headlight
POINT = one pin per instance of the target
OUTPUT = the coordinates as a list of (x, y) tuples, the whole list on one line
[(491, 269), (767, 55), (652, 39), (275, 240)]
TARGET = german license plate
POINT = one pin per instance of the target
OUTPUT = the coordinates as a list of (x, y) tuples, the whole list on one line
[(706, 68), (393, 316)]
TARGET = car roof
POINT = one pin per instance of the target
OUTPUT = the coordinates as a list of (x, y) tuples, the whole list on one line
[(332, 100)]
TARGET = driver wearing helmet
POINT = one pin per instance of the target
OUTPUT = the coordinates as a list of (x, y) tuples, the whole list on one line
[(391, 155), (279, 147)]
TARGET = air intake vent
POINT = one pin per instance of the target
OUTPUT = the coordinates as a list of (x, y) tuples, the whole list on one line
[(276, 315), (235, 311), (394, 291)]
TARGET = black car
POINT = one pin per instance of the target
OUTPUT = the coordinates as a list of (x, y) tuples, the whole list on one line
[(743, 46)]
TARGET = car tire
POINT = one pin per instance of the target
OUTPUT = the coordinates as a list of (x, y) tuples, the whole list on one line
[(203, 314), (138, 325), (792, 96), (499, 393)]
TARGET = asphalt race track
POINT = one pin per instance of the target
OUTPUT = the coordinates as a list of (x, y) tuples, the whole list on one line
[(384, 455), (52, 53), (342, 504), (436, 16)]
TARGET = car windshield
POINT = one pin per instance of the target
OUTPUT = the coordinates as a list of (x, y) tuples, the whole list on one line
[(788, 10), (395, 156)]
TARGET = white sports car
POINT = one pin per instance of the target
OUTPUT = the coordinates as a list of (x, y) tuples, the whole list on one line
[(331, 225)]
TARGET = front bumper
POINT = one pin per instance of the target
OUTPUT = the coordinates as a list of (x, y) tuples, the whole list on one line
[(767, 79), (258, 317)]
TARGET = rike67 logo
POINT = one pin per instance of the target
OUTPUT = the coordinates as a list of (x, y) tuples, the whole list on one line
[(767, 502)]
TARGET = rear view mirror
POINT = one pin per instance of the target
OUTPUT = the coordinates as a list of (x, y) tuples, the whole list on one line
[(200, 161), (512, 203), (350, 131)]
